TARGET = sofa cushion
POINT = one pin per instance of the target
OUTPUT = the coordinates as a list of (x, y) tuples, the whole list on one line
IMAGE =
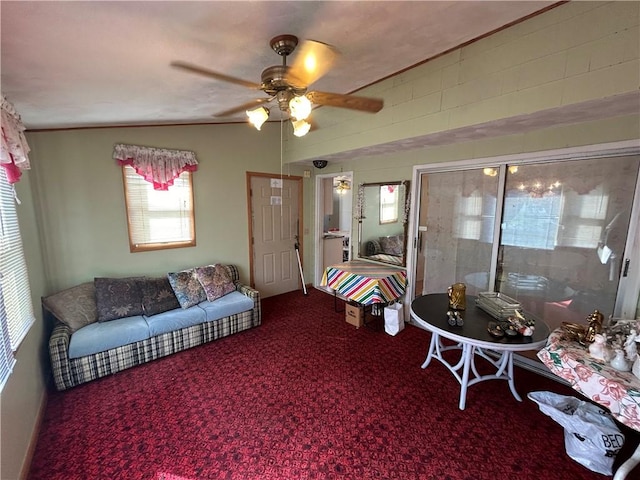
[(118, 297), (230, 304), (101, 336), (175, 319), (75, 307), (158, 296), (215, 281), (392, 245), (187, 288)]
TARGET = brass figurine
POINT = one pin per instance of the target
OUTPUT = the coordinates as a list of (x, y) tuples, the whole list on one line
[(457, 296), (595, 320)]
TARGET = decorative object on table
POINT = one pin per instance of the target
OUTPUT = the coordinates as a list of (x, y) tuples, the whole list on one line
[(595, 321), (574, 332), (498, 305), (524, 326), (495, 330), (635, 369), (457, 294), (454, 318), (622, 335), (599, 349), (619, 361), (631, 346)]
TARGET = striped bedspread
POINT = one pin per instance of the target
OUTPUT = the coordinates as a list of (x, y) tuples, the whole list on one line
[(365, 282)]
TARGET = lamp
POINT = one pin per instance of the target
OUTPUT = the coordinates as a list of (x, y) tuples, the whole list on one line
[(342, 186), (258, 116), (300, 127), (299, 107)]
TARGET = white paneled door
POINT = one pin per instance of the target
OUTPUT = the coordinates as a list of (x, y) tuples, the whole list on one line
[(275, 222)]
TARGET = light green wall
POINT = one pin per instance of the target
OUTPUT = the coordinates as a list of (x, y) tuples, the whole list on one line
[(81, 200), (575, 53)]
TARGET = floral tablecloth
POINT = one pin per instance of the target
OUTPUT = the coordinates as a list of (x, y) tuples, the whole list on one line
[(617, 391)]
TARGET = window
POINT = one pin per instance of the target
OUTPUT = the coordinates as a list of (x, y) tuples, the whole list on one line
[(388, 204), (16, 309), (159, 219)]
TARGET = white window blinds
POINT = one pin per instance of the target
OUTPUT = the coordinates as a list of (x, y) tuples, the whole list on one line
[(159, 218), (16, 309)]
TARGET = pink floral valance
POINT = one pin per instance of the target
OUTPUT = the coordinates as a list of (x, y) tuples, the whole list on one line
[(13, 149), (158, 166)]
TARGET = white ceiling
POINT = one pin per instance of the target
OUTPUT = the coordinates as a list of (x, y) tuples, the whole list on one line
[(82, 64)]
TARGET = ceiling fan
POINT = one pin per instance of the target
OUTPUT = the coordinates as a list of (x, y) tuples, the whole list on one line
[(288, 85)]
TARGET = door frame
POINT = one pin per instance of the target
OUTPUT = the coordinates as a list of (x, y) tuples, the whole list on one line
[(299, 179), (319, 223)]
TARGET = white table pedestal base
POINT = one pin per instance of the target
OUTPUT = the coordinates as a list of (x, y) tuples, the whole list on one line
[(503, 365)]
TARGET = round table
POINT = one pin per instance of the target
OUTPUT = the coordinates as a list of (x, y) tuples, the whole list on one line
[(473, 339)]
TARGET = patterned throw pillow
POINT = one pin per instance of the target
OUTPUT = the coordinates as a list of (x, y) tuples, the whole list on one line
[(118, 297), (75, 307), (215, 280), (158, 296), (393, 244), (187, 288)]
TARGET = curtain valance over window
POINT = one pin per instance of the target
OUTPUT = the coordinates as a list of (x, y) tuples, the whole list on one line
[(13, 149), (158, 166)]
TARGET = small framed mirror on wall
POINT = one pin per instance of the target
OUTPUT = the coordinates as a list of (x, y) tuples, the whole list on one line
[(382, 211)]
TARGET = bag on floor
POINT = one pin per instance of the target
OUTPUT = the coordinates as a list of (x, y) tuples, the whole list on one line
[(591, 437), (393, 319)]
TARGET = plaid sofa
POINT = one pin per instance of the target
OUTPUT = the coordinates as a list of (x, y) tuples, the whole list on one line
[(68, 372)]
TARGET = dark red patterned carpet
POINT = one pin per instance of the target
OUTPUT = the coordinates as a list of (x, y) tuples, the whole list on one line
[(304, 396)]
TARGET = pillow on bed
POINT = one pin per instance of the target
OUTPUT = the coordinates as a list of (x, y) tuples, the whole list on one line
[(392, 245), (75, 307), (118, 297), (158, 296), (215, 280), (187, 288)]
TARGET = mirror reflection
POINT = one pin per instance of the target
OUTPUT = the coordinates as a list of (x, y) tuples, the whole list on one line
[(382, 213)]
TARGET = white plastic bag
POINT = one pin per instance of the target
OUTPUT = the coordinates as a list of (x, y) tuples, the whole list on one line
[(591, 437), (393, 319)]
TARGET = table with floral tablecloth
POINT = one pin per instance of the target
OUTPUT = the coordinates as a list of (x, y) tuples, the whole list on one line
[(618, 391)]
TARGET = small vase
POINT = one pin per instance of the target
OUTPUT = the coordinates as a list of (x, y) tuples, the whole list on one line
[(636, 366), (619, 362), (457, 296)]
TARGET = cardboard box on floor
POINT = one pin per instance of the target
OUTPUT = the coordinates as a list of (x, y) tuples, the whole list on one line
[(354, 314)]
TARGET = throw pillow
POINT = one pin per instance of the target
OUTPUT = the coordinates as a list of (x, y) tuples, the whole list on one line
[(187, 288), (215, 280), (392, 244), (118, 297), (373, 247), (75, 307), (158, 296)]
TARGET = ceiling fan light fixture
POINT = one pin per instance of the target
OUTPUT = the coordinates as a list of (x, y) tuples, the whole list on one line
[(258, 116), (300, 127), (300, 107)]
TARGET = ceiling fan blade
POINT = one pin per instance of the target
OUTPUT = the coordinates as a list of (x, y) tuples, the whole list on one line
[(243, 107), (312, 61), (218, 76), (352, 102)]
